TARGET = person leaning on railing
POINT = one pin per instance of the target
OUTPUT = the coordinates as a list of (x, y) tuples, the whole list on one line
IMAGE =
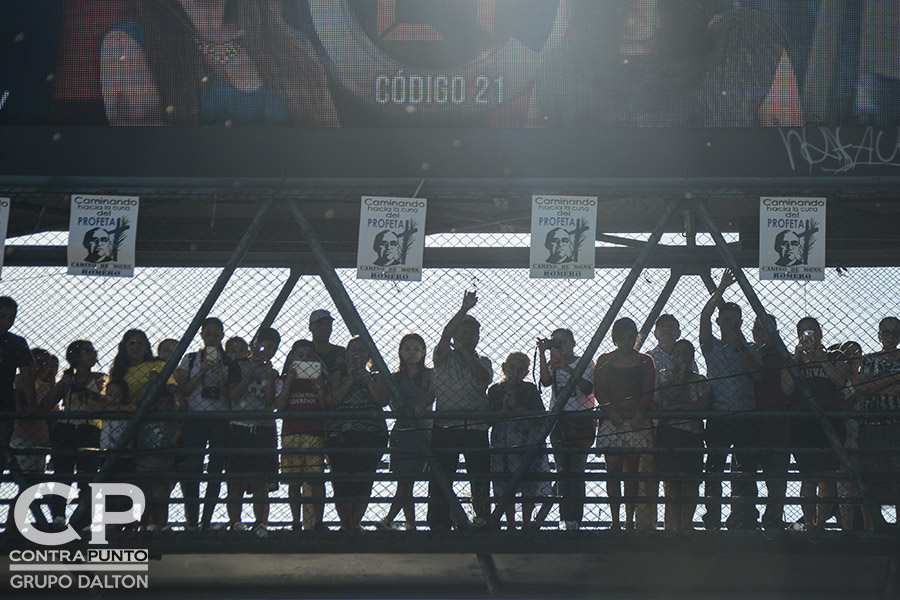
[(847, 490), (14, 357)]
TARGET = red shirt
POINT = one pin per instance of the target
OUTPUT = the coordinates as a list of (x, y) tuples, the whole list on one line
[(303, 395)]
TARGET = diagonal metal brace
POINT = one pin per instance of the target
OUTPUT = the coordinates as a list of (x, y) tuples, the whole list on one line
[(211, 297)]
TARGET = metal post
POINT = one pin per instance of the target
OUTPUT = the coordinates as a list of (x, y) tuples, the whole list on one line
[(356, 326), (785, 355), (556, 410), (202, 312)]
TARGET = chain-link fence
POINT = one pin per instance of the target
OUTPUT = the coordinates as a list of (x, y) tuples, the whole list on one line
[(346, 462)]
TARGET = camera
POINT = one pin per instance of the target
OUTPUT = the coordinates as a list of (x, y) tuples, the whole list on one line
[(210, 392), (551, 343)]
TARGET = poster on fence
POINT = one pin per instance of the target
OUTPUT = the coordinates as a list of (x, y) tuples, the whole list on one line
[(563, 233), (4, 222), (391, 238), (102, 231), (792, 239)]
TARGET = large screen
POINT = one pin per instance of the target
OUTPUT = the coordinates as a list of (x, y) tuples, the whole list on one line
[(558, 64)]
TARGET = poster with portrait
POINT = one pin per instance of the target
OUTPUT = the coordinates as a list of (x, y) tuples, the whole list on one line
[(792, 239), (102, 232), (4, 222), (563, 235), (391, 238)]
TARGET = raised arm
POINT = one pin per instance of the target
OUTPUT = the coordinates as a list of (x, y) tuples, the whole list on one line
[(546, 376), (706, 334), (445, 345)]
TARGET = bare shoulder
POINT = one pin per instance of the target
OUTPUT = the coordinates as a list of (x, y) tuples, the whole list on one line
[(130, 93)]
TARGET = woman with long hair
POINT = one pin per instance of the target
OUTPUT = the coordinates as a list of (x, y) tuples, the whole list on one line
[(668, 63), (134, 365), (416, 384), (212, 62), (624, 380)]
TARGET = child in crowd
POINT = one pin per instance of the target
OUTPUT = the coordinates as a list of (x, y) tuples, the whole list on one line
[(157, 434), (116, 400), (252, 388), (236, 348), (303, 439), (513, 437)]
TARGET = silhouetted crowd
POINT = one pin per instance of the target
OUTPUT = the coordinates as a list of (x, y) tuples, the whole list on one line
[(228, 415)]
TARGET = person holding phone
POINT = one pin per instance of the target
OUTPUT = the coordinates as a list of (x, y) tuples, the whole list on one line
[(201, 379), (576, 428), (355, 443), (303, 438), (826, 373), (252, 388)]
